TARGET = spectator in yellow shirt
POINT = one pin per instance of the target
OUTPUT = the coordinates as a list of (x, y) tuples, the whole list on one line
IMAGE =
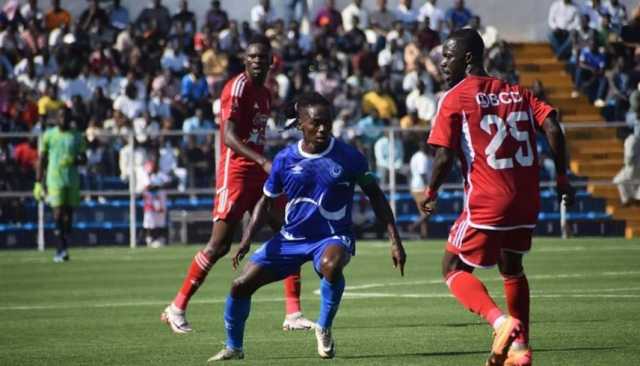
[(48, 104), (380, 99)]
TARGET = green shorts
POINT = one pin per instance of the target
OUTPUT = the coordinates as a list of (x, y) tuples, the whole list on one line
[(63, 196)]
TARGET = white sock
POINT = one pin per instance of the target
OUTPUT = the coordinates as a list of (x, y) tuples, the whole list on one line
[(498, 322), (517, 346)]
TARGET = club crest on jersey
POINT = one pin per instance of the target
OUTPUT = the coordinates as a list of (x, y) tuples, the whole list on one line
[(296, 169), (335, 171)]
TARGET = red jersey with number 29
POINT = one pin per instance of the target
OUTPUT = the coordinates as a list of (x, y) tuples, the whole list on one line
[(492, 126), (249, 106)]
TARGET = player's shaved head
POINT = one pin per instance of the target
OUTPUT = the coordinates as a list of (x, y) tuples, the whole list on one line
[(469, 40), (462, 54)]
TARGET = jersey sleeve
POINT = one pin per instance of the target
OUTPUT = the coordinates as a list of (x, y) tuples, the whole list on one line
[(539, 109), (233, 100), (361, 169), (274, 186), (447, 125)]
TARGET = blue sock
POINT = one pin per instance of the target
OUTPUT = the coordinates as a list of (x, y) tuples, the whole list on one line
[(331, 295), (236, 312)]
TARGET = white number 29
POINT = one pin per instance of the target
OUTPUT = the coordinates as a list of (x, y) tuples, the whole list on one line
[(523, 158)]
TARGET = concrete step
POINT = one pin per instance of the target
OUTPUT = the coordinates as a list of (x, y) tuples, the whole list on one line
[(603, 164), (583, 117), (548, 79), (623, 213), (609, 192), (632, 232), (597, 172), (539, 65), (582, 108), (568, 100), (579, 155), (590, 133), (597, 144)]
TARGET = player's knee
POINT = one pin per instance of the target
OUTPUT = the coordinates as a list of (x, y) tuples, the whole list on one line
[(216, 250), (331, 268), (241, 288)]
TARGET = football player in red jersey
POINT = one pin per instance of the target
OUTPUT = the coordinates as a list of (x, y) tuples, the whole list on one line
[(240, 176), (491, 125)]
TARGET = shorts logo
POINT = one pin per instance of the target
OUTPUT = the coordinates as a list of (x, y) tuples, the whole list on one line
[(335, 171)]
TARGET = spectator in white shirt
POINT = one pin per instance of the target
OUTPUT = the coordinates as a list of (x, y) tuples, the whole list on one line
[(595, 10), (30, 11), (563, 18), (128, 102), (382, 152), (422, 101), (405, 13), (174, 58), (159, 105), (435, 15), (618, 13), (488, 33), (352, 10), (420, 165), (262, 15)]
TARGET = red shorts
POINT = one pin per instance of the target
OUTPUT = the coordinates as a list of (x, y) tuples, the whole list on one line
[(481, 248), (239, 196)]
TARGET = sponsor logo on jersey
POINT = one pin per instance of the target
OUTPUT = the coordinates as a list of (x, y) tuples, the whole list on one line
[(486, 100)]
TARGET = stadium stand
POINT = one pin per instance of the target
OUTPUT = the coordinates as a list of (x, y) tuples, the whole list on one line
[(401, 59)]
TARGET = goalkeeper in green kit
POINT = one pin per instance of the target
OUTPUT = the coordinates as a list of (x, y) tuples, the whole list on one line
[(61, 150)]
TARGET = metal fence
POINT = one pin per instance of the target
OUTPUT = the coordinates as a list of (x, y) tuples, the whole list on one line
[(276, 139)]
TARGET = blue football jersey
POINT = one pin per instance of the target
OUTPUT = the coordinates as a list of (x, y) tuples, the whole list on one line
[(319, 188)]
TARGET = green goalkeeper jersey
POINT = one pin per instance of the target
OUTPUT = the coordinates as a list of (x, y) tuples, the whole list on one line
[(62, 149)]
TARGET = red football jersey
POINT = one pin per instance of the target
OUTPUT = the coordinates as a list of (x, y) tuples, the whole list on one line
[(492, 126), (249, 106)]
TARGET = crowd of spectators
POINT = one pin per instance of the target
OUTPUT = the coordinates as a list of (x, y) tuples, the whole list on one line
[(161, 71), (587, 36)]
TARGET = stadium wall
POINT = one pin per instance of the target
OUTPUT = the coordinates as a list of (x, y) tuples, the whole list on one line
[(516, 20)]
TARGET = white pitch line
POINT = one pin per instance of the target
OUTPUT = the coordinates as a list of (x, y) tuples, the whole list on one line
[(347, 295)]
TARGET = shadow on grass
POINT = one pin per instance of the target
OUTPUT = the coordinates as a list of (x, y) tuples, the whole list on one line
[(435, 354)]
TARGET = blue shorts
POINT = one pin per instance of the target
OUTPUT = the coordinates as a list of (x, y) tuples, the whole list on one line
[(285, 257)]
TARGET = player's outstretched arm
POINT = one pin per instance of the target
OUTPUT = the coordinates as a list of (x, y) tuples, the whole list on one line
[(385, 216), (555, 136), (259, 215), (232, 140), (442, 164)]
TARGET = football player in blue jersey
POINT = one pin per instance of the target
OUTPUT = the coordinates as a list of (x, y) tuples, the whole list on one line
[(318, 174)]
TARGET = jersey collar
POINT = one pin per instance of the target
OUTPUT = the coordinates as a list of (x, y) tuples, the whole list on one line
[(319, 155)]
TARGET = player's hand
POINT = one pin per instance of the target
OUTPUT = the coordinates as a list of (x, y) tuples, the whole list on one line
[(565, 191), (38, 191), (428, 203), (566, 194), (428, 207), (398, 256), (240, 253)]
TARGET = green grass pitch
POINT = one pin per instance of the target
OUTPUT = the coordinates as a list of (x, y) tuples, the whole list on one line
[(103, 308)]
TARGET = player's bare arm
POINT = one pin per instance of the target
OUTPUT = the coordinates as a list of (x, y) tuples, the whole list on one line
[(442, 164), (263, 207), (384, 214), (232, 140), (555, 136)]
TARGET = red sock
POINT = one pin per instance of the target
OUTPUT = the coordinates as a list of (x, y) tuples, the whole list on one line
[(198, 271), (516, 292), (292, 293), (473, 295)]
